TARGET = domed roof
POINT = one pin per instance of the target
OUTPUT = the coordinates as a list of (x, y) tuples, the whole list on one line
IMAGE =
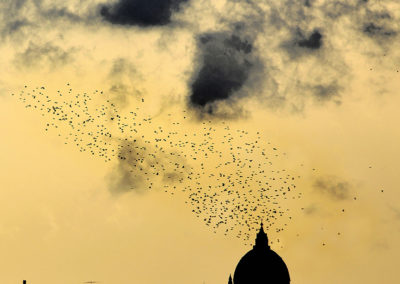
[(261, 265)]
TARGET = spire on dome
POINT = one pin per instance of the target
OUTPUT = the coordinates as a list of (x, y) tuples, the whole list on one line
[(230, 279), (261, 239)]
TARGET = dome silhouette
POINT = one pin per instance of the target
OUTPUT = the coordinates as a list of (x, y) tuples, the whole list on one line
[(261, 265)]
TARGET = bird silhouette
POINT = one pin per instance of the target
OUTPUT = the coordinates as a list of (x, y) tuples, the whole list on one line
[(229, 176)]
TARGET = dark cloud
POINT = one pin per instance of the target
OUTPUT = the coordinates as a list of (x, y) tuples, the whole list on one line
[(371, 29), (307, 3), (280, 56), (11, 18), (314, 41), (225, 64), (333, 187), (284, 54), (303, 44), (15, 26), (143, 13), (380, 25)]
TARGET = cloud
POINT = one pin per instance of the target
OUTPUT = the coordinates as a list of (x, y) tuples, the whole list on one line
[(43, 55), (142, 167), (371, 29), (328, 92), (128, 174), (227, 67), (278, 54), (380, 26), (314, 41), (25, 19), (302, 44), (124, 80), (15, 26), (395, 210), (333, 187), (311, 209), (144, 13), (226, 62), (371, 19), (54, 13), (341, 8), (12, 19)]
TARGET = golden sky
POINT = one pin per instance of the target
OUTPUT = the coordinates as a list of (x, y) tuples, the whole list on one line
[(315, 83)]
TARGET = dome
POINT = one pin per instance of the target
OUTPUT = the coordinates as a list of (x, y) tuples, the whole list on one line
[(261, 265)]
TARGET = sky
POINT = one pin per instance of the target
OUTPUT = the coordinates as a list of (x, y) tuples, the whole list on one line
[(145, 141)]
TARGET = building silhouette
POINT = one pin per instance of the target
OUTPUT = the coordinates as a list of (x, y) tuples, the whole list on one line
[(261, 265)]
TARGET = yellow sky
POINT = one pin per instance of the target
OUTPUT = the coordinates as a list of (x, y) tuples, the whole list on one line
[(60, 221)]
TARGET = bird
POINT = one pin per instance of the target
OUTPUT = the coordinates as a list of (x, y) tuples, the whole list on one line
[(228, 176)]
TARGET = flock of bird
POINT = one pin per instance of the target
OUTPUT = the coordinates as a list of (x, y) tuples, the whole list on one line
[(231, 178)]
